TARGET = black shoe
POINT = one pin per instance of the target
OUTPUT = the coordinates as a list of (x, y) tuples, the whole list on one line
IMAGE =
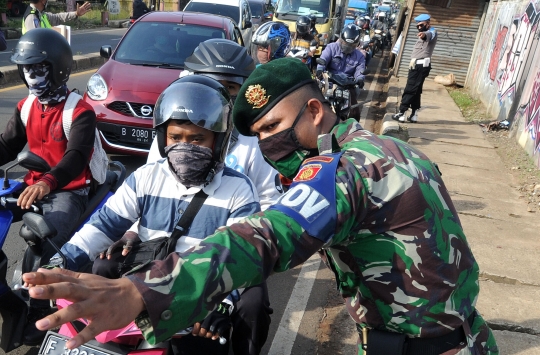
[(32, 335)]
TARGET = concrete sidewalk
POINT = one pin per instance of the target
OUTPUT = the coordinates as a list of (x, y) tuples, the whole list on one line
[(505, 238)]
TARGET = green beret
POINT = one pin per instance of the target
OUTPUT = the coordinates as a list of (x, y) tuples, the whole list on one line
[(265, 87)]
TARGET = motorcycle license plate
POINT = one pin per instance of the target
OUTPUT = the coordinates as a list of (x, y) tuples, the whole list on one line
[(55, 344), (136, 134)]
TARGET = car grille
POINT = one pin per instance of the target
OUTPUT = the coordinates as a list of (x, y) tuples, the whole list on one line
[(133, 109)]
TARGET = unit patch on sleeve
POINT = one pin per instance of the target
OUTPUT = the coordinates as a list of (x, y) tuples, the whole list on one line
[(308, 172)]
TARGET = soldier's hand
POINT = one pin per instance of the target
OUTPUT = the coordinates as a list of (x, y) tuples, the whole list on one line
[(33, 193), (83, 9), (94, 297)]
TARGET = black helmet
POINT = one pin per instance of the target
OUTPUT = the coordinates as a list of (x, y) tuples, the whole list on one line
[(275, 36), (313, 19), (303, 24), (48, 46), (351, 34), (201, 100), (221, 59)]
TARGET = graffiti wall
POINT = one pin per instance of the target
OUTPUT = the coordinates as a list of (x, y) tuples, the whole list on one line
[(504, 72)]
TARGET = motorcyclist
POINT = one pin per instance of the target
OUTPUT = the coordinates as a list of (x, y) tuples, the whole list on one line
[(194, 153), (313, 22), (303, 43), (139, 9), (228, 62), (381, 25), (273, 41), (44, 61), (343, 56)]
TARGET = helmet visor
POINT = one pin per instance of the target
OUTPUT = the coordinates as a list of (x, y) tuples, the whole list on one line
[(203, 106), (27, 56)]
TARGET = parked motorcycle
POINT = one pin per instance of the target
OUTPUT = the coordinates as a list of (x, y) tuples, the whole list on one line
[(13, 304)]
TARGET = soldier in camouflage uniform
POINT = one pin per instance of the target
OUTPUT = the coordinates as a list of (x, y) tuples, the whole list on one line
[(377, 207)]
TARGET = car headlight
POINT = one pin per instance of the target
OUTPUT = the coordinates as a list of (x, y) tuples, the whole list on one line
[(97, 88)]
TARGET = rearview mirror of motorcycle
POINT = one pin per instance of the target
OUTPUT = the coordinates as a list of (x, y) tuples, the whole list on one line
[(39, 225), (320, 61), (31, 161)]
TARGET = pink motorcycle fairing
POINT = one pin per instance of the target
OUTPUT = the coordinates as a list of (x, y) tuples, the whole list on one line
[(129, 335)]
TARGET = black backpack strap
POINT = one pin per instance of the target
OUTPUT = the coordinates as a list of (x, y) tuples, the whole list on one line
[(186, 220)]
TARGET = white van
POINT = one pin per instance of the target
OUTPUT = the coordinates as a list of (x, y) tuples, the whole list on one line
[(238, 10)]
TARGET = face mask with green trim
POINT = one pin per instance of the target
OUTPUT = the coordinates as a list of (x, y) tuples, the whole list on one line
[(284, 152)]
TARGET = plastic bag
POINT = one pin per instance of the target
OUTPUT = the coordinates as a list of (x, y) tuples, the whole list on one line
[(446, 80)]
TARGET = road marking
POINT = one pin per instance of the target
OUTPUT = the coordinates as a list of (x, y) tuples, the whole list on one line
[(72, 75), (365, 108), (292, 317)]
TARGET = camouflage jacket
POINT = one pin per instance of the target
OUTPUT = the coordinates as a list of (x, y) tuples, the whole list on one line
[(392, 236)]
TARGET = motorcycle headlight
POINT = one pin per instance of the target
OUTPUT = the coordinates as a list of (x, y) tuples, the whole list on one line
[(97, 88), (324, 38), (338, 93)]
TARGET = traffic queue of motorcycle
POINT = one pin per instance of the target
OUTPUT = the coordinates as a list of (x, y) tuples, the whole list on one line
[(340, 88)]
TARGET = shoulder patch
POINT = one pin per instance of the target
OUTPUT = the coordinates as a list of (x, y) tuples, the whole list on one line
[(308, 172), (320, 158)]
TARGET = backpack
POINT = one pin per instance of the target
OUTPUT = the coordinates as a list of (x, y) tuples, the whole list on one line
[(99, 161)]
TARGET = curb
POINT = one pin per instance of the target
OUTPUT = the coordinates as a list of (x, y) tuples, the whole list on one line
[(80, 62), (389, 125), (11, 33), (118, 23)]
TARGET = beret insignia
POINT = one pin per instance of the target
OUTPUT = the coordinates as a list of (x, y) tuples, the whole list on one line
[(256, 96)]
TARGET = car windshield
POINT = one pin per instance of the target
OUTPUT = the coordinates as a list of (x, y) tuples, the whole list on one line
[(215, 9), (162, 44), (257, 8), (291, 9)]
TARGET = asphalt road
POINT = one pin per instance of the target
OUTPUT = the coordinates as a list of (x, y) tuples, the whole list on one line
[(82, 42), (298, 297)]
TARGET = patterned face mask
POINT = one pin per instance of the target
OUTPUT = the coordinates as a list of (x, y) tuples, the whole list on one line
[(192, 164), (37, 77)]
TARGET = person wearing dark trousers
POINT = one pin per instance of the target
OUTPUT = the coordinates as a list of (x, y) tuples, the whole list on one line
[(419, 69), (3, 43)]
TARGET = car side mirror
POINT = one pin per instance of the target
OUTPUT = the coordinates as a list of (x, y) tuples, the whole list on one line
[(105, 52), (248, 24)]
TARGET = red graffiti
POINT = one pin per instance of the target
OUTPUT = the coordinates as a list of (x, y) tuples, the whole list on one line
[(496, 53)]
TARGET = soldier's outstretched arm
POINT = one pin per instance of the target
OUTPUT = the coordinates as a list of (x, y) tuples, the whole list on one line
[(172, 294)]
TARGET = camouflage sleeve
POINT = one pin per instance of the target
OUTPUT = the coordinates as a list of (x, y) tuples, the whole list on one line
[(185, 288)]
